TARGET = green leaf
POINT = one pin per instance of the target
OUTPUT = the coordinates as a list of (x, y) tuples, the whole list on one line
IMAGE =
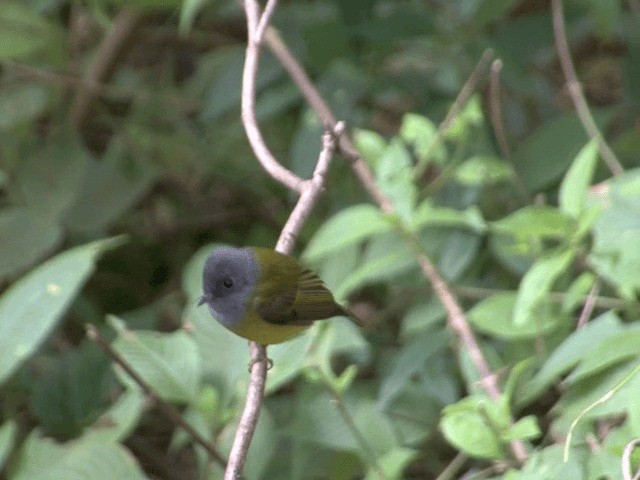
[(535, 221), (393, 464), (370, 145), (71, 392), (545, 155), (468, 430), (524, 429), (288, 359), (8, 432), (577, 345), (421, 134), (32, 307), (82, 459), (611, 350), (615, 254), (120, 419), (573, 190), (351, 225), (407, 363), (395, 177), (494, 316), (17, 224), (21, 102), (168, 362), (483, 170), (385, 258), (110, 187), (433, 216), (537, 282), (23, 32)]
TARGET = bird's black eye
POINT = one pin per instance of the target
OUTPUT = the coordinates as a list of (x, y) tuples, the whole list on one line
[(227, 282)]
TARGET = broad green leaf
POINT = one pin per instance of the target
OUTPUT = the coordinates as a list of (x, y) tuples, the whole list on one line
[(23, 32), (288, 359), (21, 102), (8, 431), (385, 259), (537, 282), (18, 224), (82, 459), (394, 174), (120, 419), (577, 291), (228, 365), (483, 170), (188, 13), (427, 214), (352, 225), (421, 316), (71, 391), (393, 464), (548, 464), (110, 187), (467, 429), (545, 155), (494, 316), (610, 350), (615, 254), (422, 136), (535, 221), (370, 145), (524, 429), (168, 362), (407, 363), (576, 346), (573, 189), (32, 307)]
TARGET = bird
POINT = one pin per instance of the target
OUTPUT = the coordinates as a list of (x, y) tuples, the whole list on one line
[(264, 295)]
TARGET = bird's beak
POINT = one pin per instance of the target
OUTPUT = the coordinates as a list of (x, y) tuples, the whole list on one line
[(204, 299)]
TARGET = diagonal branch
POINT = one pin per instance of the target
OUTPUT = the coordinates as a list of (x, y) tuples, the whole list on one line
[(457, 319), (309, 190), (575, 90)]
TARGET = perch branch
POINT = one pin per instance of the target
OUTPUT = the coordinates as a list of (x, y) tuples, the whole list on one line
[(575, 90), (309, 191), (166, 408)]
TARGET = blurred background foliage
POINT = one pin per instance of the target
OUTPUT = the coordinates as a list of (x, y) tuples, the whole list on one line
[(107, 215)]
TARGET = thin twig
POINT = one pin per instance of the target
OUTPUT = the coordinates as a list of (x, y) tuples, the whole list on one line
[(309, 192), (575, 90), (451, 470), (627, 473), (457, 319), (495, 108), (124, 25), (589, 305), (249, 121), (340, 404), (166, 408), (461, 99)]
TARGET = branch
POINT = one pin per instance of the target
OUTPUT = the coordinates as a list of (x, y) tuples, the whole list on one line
[(249, 74), (166, 408), (575, 90), (627, 473), (104, 63), (457, 320), (309, 191)]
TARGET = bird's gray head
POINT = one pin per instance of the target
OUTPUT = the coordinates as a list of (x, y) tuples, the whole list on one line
[(228, 280)]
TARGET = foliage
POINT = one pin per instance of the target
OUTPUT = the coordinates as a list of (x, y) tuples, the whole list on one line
[(522, 238)]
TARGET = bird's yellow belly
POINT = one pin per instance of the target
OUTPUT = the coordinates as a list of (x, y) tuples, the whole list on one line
[(256, 329)]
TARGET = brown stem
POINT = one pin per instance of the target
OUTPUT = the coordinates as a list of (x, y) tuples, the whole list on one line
[(457, 319), (575, 90), (166, 408), (124, 25)]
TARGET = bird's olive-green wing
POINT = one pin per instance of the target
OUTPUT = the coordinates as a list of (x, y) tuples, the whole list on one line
[(289, 294)]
